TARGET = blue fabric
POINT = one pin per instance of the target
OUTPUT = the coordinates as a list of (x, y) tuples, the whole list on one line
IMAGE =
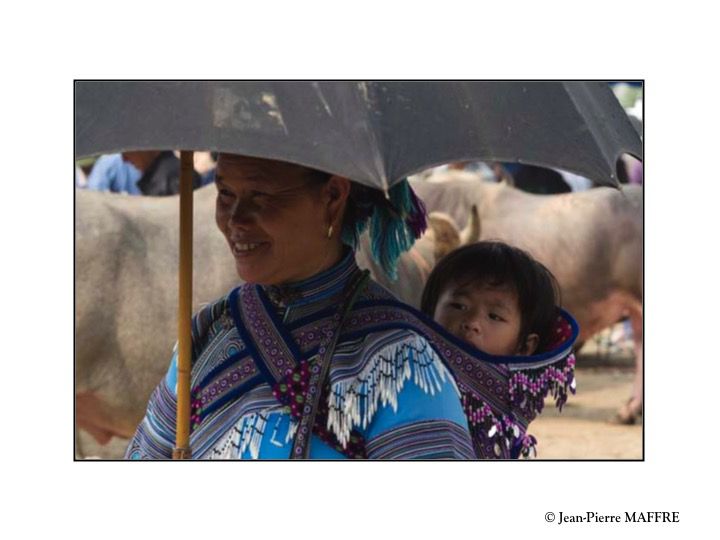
[(274, 445), (111, 173), (171, 377), (415, 405)]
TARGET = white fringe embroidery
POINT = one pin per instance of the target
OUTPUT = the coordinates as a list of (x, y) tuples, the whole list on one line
[(292, 429), (252, 435), (380, 382), (246, 433)]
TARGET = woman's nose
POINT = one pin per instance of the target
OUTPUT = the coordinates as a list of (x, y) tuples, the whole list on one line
[(241, 215)]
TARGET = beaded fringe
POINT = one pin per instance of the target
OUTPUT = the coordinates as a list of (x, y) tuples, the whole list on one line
[(528, 389), (353, 402)]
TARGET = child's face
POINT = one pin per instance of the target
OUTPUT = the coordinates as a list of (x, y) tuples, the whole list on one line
[(485, 316)]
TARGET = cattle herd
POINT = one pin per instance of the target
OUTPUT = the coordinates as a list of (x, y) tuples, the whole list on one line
[(126, 275)]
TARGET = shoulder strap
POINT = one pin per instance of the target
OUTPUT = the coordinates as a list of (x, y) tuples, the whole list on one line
[(320, 369)]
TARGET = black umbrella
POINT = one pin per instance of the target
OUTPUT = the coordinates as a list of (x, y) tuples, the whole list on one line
[(373, 132), (376, 133)]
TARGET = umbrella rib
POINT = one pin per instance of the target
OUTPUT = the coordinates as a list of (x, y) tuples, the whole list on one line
[(372, 135)]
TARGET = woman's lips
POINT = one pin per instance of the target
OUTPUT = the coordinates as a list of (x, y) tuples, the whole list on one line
[(246, 249)]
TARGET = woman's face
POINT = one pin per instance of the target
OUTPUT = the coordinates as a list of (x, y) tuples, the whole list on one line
[(276, 218)]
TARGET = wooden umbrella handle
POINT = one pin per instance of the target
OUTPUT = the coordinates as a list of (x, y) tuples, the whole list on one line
[(182, 436)]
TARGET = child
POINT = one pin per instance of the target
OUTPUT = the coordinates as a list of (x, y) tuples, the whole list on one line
[(503, 302), (495, 297)]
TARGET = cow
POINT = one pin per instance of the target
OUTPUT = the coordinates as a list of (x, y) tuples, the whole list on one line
[(590, 240), (126, 289)]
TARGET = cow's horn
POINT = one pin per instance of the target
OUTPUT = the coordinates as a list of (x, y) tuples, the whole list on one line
[(471, 233)]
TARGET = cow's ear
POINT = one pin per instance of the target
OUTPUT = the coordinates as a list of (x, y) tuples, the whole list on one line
[(530, 345), (445, 232)]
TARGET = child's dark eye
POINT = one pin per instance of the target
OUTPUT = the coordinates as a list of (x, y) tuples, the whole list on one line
[(224, 193), (496, 317), (457, 305)]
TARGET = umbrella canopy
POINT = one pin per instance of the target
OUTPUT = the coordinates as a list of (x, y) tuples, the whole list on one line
[(376, 133)]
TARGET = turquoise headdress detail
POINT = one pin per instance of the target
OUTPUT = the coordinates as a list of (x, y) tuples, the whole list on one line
[(394, 222)]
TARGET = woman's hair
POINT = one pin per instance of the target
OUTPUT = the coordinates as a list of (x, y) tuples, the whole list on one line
[(394, 221), (499, 264)]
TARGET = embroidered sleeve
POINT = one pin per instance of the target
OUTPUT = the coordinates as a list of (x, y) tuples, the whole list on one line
[(404, 400), (155, 436)]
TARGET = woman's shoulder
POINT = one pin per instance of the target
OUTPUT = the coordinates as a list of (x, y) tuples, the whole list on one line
[(376, 292), (377, 310), (380, 327), (210, 318)]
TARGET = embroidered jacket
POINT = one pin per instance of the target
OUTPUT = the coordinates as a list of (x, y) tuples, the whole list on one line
[(389, 394)]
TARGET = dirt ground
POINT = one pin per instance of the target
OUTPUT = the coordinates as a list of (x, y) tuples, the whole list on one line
[(584, 429)]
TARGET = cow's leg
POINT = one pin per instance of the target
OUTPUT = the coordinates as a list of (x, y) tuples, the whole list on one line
[(632, 409), (101, 420)]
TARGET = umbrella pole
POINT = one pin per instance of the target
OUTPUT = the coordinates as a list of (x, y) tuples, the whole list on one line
[(182, 437)]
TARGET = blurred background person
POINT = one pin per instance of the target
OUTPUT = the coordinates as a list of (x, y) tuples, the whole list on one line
[(111, 173), (145, 172)]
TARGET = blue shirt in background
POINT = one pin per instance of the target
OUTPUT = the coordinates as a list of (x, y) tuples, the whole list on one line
[(111, 173)]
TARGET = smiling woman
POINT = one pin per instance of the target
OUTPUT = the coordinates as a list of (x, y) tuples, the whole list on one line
[(301, 361)]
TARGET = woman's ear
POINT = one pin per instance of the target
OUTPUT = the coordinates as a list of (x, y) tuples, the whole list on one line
[(530, 345), (337, 191)]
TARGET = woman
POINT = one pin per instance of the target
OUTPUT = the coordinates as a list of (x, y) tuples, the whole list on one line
[(272, 377), (310, 359)]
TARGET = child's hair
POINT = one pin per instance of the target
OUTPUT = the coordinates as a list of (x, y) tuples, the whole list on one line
[(497, 264)]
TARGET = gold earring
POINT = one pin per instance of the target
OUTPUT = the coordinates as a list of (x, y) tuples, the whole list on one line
[(330, 231)]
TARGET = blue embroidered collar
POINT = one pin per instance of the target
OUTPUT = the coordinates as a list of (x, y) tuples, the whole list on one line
[(319, 289)]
